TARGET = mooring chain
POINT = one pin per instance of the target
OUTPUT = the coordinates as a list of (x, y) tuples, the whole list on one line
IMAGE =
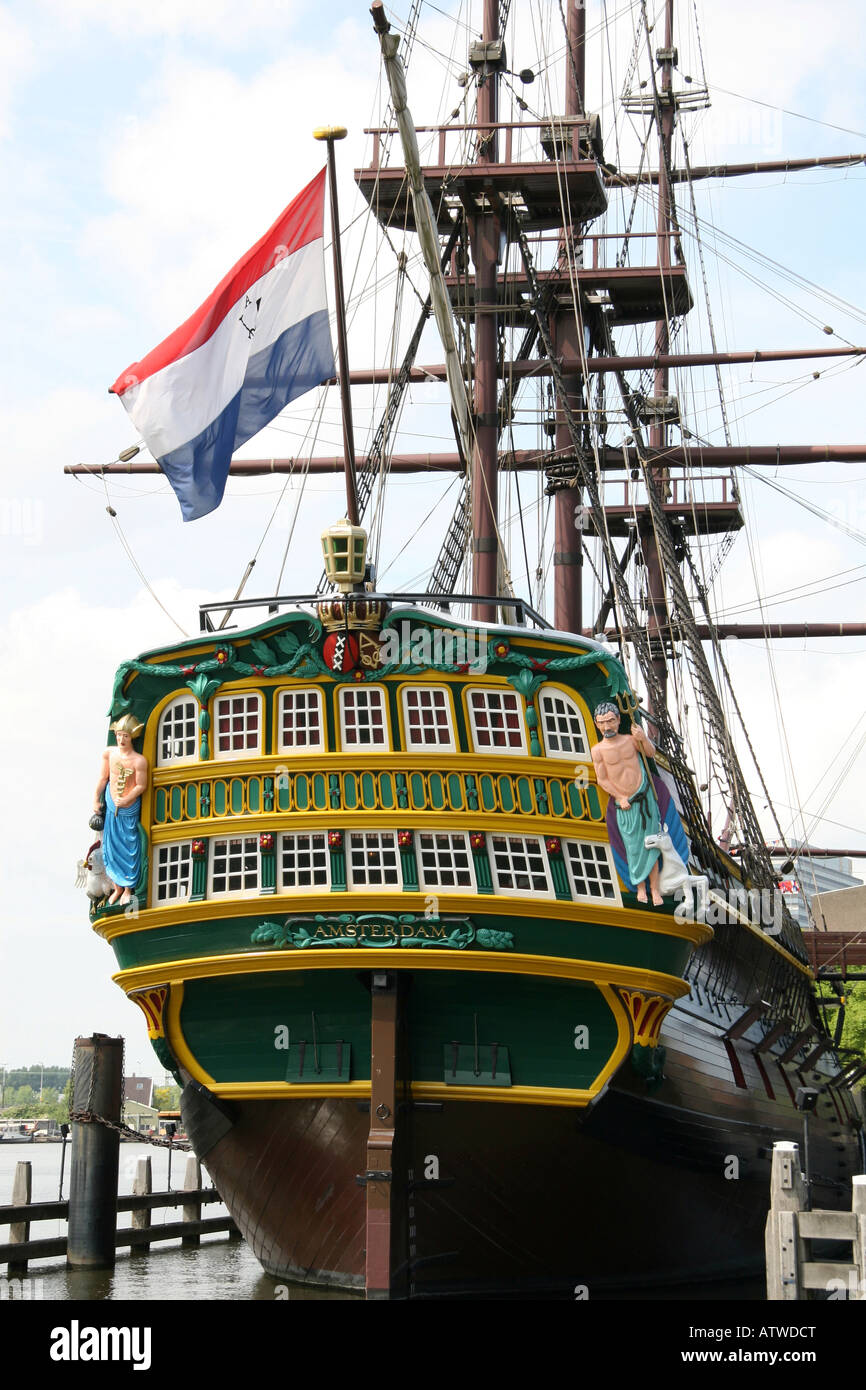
[(88, 1117)]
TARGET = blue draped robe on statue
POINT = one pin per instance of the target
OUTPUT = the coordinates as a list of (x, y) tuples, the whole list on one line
[(121, 847), (641, 818)]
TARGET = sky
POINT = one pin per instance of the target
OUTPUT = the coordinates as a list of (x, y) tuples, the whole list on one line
[(142, 150)]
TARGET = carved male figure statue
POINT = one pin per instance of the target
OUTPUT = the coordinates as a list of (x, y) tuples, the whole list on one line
[(622, 773), (122, 779)]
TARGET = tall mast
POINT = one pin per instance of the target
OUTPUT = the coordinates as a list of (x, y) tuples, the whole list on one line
[(568, 538), (484, 239), (658, 433)]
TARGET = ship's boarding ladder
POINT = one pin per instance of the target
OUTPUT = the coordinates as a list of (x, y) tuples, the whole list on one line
[(791, 1272)]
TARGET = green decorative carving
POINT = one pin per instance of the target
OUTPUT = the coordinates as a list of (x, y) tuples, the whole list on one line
[(203, 687), (525, 683), (166, 1058), (649, 1063), (304, 657), (379, 929)]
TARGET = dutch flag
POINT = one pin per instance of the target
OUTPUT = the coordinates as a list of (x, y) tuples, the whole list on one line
[(259, 341)]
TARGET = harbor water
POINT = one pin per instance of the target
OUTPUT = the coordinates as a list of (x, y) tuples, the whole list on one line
[(219, 1269)]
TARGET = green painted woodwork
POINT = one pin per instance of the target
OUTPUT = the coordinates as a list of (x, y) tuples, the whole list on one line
[(409, 867), (329, 930), (594, 802), (198, 885), (191, 800), (506, 794), (649, 1064), (254, 795), (338, 871), (320, 792), (455, 791), (175, 803), (417, 791), (386, 791), (436, 786), (574, 799), (269, 871), (236, 795), (559, 874), (465, 1064), (534, 1019), (524, 795), (204, 799), (166, 1058), (268, 793), (301, 787), (350, 792), (219, 798), (368, 790), (556, 798), (483, 877), (234, 1026), (582, 941), (402, 793), (247, 1028), (160, 806), (471, 791), (334, 790), (488, 792)]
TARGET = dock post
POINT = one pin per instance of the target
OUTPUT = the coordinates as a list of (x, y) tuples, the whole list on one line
[(19, 1231), (142, 1186), (192, 1210), (783, 1244), (858, 1207), (97, 1090)]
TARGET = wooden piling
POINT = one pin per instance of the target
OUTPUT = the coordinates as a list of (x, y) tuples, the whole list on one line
[(19, 1232), (192, 1210), (97, 1090), (784, 1247), (142, 1186)]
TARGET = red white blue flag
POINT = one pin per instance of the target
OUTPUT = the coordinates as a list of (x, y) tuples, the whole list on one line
[(259, 341)]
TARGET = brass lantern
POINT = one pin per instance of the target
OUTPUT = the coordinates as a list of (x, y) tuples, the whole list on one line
[(344, 547)]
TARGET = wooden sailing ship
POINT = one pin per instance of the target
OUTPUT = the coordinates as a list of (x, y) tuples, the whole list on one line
[(431, 1040)]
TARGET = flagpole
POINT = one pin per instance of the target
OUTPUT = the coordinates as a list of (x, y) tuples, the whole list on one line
[(329, 134)]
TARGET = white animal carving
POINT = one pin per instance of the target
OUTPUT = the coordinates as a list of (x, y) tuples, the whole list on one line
[(91, 874), (674, 875)]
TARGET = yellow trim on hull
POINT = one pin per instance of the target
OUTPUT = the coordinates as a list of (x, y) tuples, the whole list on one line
[(258, 962), (481, 905)]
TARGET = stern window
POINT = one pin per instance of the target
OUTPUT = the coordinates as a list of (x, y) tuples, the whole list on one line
[(562, 722), (300, 720), (362, 717), (173, 873), (238, 721), (372, 860), (497, 720), (519, 865), (235, 865), (177, 736), (427, 714)]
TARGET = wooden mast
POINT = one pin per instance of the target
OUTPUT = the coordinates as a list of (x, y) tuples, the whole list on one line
[(658, 433), (484, 238)]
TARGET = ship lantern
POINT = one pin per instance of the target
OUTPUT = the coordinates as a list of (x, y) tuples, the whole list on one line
[(345, 550)]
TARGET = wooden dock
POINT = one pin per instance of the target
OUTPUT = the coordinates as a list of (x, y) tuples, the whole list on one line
[(21, 1213)]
